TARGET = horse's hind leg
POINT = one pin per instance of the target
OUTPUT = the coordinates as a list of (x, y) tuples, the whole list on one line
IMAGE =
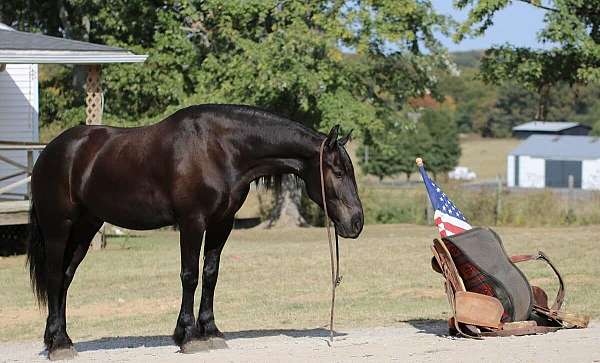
[(80, 237), (186, 334), (56, 233), (216, 236)]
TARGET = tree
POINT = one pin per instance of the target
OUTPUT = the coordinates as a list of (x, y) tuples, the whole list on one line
[(574, 25), (287, 57), (444, 153), (472, 97), (514, 105), (132, 92), (393, 151)]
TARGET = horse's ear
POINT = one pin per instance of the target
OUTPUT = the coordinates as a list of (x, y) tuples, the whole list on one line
[(344, 140), (332, 137)]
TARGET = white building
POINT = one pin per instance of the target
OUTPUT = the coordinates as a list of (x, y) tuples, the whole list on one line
[(555, 161), (20, 54), (18, 113)]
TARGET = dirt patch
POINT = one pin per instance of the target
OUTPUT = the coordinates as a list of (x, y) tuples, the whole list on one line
[(118, 308), (422, 341)]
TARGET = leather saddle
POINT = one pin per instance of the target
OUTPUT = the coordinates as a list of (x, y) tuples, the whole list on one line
[(489, 295)]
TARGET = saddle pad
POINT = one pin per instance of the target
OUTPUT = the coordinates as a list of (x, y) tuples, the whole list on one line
[(486, 268)]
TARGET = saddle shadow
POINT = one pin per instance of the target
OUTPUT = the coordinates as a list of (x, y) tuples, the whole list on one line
[(436, 327), (150, 341)]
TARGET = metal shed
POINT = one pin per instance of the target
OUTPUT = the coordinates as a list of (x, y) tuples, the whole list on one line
[(527, 129), (552, 161)]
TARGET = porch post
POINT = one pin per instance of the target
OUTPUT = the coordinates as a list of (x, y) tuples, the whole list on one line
[(93, 99), (93, 112)]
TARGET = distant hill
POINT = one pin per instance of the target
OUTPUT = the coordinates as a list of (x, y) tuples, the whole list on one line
[(468, 59)]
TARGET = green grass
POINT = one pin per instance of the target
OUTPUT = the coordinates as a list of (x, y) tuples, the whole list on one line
[(486, 156), (279, 279)]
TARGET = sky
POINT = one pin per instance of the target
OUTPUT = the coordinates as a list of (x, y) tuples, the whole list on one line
[(518, 24)]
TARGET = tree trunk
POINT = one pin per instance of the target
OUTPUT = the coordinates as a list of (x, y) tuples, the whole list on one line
[(544, 92), (286, 209)]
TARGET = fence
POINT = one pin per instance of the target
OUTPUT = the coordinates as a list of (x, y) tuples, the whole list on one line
[(23, 171)]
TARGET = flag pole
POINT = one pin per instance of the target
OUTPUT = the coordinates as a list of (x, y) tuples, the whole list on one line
[(419, 162)]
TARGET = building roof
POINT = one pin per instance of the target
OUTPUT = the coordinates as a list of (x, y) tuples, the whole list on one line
[(563, 147), (24, 48), (546, 126)]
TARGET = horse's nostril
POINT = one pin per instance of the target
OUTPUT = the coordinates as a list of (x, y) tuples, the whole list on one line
[(356, 223)]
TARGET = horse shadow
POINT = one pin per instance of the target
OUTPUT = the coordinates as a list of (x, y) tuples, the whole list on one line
[(152, 341), (435, 327)]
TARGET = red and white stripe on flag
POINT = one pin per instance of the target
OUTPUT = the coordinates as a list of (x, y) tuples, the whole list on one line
[(449, 225)]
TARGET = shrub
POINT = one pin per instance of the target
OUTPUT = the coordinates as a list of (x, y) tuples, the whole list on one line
[(484, 207)]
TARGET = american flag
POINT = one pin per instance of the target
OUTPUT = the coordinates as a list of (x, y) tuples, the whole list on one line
[(447, 217)]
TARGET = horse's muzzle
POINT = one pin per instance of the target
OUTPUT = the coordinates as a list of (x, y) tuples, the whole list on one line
[(353, 229)]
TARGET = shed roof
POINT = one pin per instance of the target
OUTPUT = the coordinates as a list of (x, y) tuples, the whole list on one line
[(21, 47), (546, 126), (563, 147)]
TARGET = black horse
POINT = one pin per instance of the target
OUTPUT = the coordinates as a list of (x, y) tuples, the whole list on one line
[(193, 170)]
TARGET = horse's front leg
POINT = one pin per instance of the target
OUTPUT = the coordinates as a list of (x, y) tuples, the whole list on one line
[(216, 236), (186, 331)]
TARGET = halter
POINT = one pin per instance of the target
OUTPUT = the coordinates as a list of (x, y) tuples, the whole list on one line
[(336, 279)]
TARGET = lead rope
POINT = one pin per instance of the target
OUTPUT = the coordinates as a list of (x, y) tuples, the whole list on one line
[(336, 279)]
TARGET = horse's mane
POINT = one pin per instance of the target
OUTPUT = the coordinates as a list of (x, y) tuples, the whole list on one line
[(250, 113), (273, 182), (254, 113)]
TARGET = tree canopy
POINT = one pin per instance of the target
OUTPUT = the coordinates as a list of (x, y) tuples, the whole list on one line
[(572, 28), (319, 62)]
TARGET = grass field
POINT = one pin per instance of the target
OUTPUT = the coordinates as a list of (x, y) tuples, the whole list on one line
[(278, 279), (486, 156)]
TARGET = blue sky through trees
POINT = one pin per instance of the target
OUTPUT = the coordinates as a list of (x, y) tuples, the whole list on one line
[(518, 25)]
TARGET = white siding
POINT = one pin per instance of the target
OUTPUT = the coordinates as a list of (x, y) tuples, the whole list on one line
[(510, 171), (18, 113), (590, 174), (532, 172)]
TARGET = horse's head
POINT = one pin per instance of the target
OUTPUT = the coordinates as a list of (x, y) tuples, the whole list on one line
[(341, 194)]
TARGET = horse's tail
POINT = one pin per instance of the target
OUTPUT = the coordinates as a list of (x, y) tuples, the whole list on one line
[(36, 258)]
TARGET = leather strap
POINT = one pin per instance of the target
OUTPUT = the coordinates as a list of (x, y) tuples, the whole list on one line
[(563, 318), (336, 279), (521, 331), (560, 296)]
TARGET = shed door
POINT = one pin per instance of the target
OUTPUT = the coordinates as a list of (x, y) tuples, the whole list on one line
[(558, 171)]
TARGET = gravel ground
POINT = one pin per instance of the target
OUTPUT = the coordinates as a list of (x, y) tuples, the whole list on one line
[(418, 342)]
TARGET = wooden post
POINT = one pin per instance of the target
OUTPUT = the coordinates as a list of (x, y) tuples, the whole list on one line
[(498, 199), (571, 182), (93, 112), (93, 100)]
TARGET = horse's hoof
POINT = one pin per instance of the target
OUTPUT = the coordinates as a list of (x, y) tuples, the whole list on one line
[(218, 343), (62, 354), (195, 346)]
